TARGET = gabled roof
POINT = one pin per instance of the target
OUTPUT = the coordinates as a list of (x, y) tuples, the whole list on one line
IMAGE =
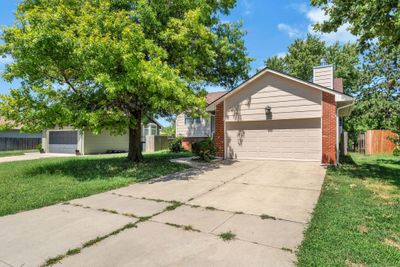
[(340, 97)]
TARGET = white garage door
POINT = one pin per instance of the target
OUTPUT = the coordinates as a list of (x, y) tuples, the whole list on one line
[(63, 141), (282, 139)]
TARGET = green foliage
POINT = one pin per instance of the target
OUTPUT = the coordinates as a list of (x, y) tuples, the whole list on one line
[(378, 93), (26, 185), (356, 220), (305, 54), (107, 65), (176, 145), (396, 152), (368, 19), (227, 236), (169, 130), (39, 147), (204, 149)]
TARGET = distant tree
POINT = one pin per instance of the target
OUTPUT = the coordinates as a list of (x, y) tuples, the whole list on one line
[(169, 130), (276, 63), (370, 20), (378, 93), (304, 54), (109, 65)]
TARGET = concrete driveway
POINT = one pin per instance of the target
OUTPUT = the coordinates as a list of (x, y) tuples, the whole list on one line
[(176, 220)]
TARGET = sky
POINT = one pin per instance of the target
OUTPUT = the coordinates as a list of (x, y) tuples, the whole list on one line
[(271, 27)]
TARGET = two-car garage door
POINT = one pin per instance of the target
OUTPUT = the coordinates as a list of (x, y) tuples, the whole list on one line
[(298, 139)]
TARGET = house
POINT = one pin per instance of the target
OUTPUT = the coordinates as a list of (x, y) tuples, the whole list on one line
[(273, 115), (196, 129), (13, 139), (69, 140)]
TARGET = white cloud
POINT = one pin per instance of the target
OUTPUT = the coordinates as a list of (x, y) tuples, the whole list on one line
[(281, 54), (247, 7), (299, 7), (289, 30), (315, 15), (6, 60), (342, 35)]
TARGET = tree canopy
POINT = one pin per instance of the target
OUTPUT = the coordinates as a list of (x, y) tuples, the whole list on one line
[(304, 54), (378, 93), (367, 19), (107, 65)]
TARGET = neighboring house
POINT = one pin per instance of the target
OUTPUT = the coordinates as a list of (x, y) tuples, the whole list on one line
[(14, 139), (68, 140), (276, 116), (196, 129)]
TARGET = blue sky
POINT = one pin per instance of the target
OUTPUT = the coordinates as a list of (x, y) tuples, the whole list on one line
[(271, 26)]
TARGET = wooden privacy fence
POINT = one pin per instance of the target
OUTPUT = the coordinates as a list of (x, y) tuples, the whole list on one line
[(376, 142), (8, 143), (156, 143)]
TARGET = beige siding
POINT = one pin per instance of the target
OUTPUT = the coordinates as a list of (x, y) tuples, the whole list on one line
[(324, 76), (288, 100), (95, 144), (298, 139), (194, 130)]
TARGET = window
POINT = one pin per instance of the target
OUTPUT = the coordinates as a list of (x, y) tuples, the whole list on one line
[(190, 120), (63, 137), (153, 130)]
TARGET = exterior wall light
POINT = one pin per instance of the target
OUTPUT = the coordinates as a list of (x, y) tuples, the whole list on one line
[(267, 110)]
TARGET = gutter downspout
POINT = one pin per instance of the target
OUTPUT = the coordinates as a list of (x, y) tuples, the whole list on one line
[(337, 131)]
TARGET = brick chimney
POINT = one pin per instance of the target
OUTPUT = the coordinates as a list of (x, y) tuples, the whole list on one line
[(338, 85)]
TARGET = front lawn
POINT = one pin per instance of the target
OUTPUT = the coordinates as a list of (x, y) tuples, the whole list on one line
[(10, 153), (357, 220), (26, 185)]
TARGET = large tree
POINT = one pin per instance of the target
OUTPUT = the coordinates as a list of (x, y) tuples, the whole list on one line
[(107, 65), (370, 20), (304, 54), (378, 93)]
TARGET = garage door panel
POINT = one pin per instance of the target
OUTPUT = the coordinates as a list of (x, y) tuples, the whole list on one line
[(289, 139), (63, 141)]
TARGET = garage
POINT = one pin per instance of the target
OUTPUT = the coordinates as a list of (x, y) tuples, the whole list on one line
[(297, 139), (63, 142)]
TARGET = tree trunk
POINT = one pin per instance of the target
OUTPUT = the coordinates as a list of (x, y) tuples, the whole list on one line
[(135, 141)]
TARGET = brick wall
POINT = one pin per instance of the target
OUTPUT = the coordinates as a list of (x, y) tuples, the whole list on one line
[(328, 128), (219, 130)]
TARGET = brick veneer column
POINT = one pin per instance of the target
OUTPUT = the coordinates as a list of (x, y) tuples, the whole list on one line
[(219, 130), (328, 128)]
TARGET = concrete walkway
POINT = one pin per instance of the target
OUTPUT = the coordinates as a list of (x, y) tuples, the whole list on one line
[(175, 220), (32, 156)]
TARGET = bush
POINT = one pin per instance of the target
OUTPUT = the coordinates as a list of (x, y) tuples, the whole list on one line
[(396, 152), (39, 147), (204, 149), (176, 145)]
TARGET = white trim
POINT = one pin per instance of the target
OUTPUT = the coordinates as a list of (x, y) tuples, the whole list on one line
[(337, 131)]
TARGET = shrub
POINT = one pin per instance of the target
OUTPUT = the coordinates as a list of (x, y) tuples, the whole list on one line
[(396, 152), (204, 149), (176, 145)]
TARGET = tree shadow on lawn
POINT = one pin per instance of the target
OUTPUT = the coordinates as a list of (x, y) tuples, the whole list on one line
[(373, 170), (91, 168)]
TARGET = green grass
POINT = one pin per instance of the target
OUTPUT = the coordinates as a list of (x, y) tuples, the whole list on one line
[(227, 236), (14, 153), (26, 185), (357, 219)]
